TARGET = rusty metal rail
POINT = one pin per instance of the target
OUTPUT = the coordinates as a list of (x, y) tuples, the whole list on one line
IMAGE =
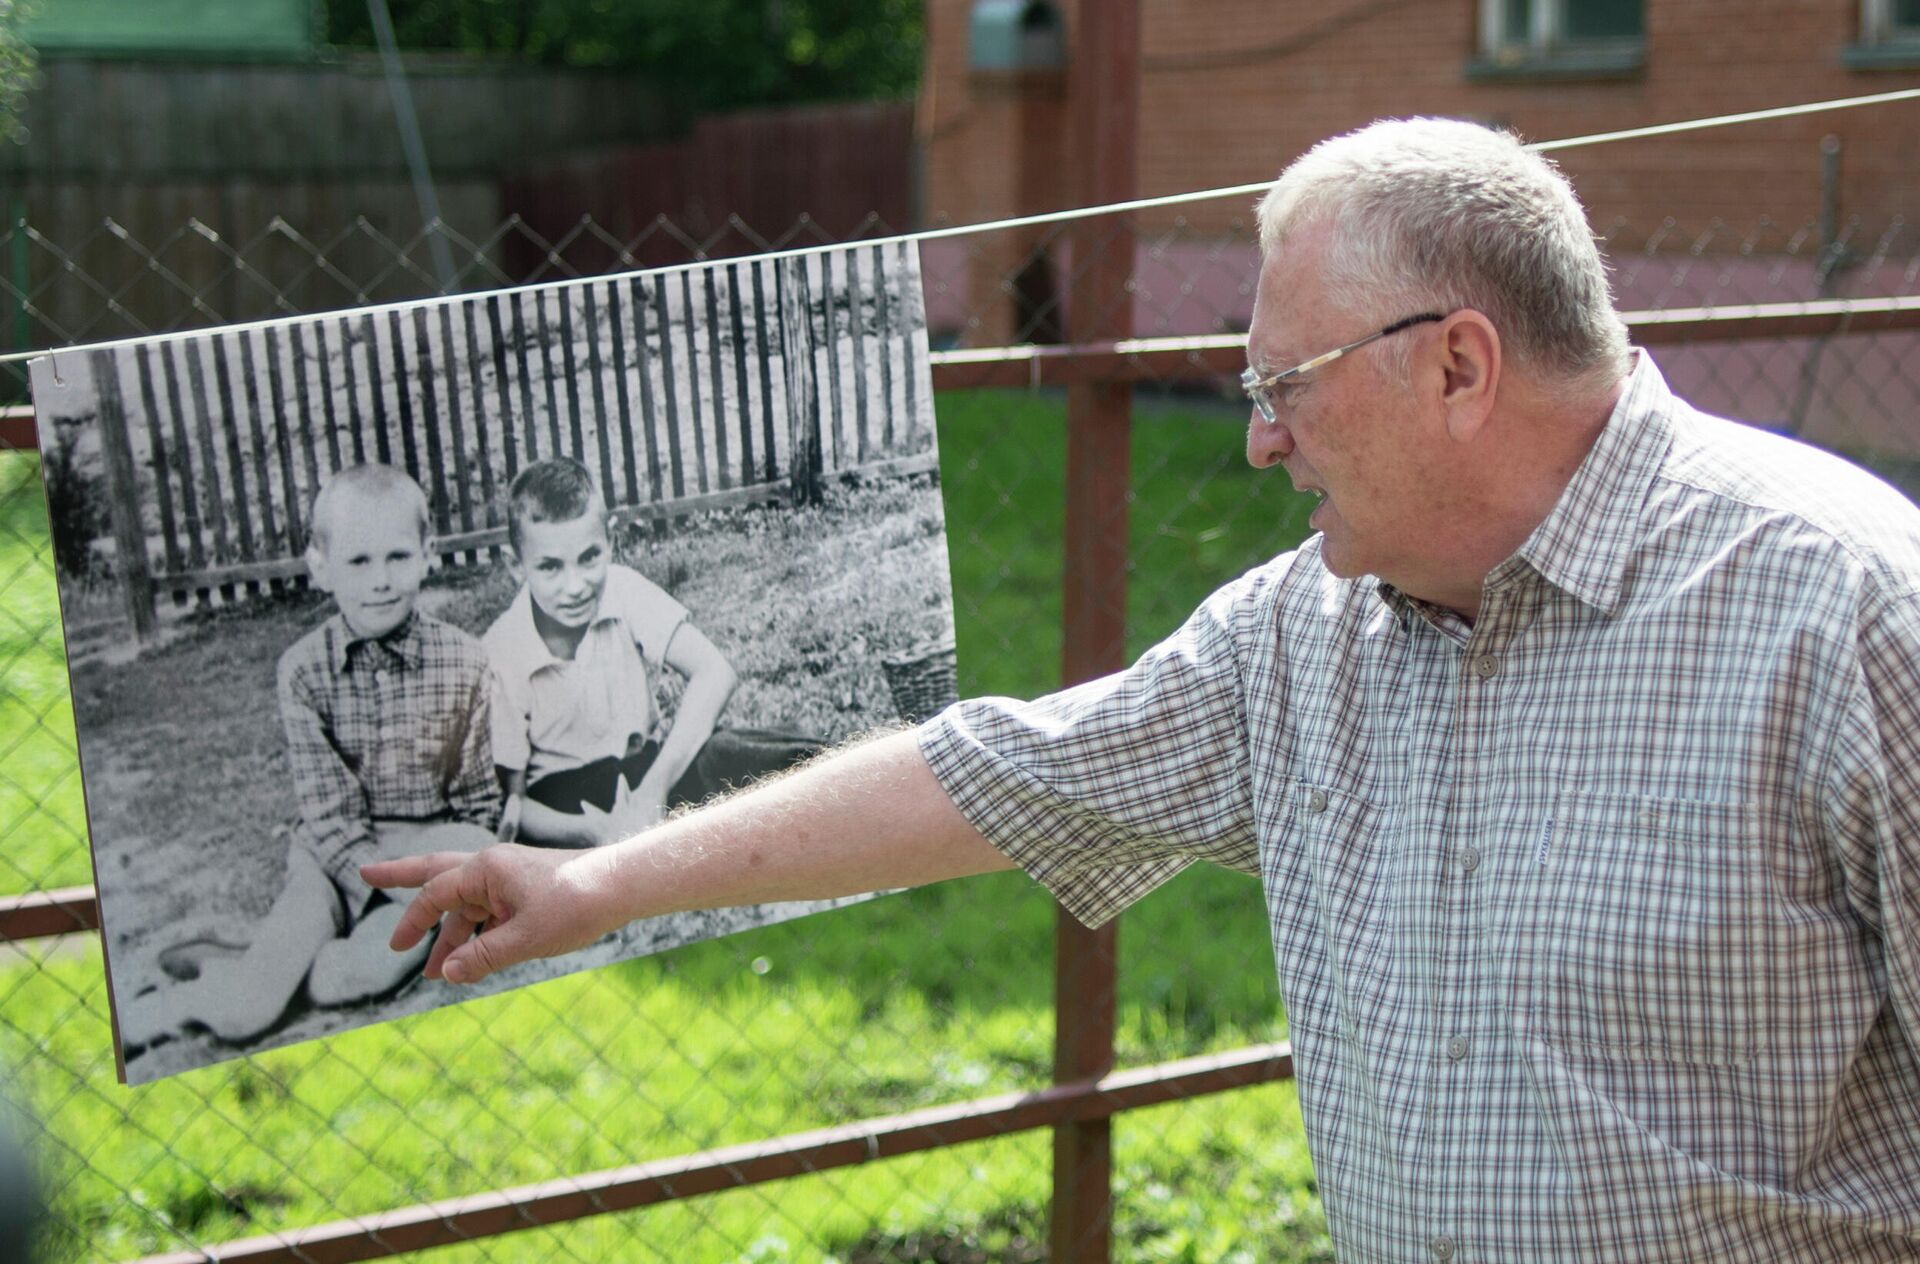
[(45, 913), (453, 1220), (1224, 355)]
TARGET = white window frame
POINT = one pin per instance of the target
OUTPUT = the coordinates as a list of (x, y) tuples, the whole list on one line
[(1546, 34), (1877, 25)]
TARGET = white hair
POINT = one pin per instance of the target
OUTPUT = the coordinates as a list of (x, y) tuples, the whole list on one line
[(1439, 214)]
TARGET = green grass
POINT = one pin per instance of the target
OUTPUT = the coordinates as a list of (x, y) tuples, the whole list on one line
[(43, 835), (935, 996)]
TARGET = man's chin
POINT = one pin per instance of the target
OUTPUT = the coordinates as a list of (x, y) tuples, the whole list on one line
[(1341, 561)]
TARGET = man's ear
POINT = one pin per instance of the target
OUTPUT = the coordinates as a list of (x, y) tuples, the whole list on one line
[(316, 559), (515, 567), (1470, 366)]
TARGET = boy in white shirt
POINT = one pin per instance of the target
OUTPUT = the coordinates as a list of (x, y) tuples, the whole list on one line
[(584, 754)]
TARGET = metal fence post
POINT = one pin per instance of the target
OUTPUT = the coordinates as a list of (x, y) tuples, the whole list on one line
[(1104, 80)]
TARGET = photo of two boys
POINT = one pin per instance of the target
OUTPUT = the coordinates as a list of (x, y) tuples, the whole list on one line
[(563, 676)]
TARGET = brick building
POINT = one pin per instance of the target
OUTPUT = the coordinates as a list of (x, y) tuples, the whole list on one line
[(1232, 89)]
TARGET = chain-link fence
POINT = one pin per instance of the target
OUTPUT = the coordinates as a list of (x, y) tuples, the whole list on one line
[(856, 1035)]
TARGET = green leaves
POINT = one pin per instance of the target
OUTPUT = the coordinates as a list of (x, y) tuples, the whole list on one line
[(19, 68), (705, 54)]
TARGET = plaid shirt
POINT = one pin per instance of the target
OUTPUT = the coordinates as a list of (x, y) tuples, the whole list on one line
[(394, 728), (1598, 920)]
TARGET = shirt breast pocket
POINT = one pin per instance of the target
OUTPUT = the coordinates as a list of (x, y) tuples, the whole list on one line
[(433, 742), (1647, 933), (1351, 848)]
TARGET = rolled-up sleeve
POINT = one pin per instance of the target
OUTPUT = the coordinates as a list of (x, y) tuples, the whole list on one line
[(1104, 791)]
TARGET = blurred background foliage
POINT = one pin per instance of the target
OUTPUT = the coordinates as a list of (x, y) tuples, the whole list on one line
[(704, 54)]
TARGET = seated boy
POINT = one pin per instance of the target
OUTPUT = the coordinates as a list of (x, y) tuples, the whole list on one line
[(583, 753), (385, 713)]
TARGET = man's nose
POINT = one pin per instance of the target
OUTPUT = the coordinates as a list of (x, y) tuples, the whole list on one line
[(1268, 443)]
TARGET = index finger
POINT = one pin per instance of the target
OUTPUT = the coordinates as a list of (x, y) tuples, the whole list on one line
[(410, 871), (457, 890)]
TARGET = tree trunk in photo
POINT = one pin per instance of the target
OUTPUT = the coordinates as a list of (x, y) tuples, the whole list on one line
[(803, 403), (123, 498)]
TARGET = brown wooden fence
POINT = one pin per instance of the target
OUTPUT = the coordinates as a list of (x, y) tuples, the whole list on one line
[(835, 171)]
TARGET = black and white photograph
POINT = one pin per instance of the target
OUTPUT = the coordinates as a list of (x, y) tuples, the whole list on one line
[(540, 565)]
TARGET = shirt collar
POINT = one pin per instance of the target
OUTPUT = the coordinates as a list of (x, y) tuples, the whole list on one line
[(1582, 547), (521, 642), (403, 642)]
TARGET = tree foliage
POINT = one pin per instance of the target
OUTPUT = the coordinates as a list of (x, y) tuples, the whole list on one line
[(705, 54), (19, 68)]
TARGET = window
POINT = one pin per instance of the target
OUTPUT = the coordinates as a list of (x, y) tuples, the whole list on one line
[(1889, 36), (1887, 20), (1560, 39)]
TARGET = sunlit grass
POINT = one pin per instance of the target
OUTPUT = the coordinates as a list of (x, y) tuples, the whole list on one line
[(935, 996)]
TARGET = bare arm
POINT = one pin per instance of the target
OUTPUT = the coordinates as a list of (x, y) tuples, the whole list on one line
[(869, 818), (710, 683)]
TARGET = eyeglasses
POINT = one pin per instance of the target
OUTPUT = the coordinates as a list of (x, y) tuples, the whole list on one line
[(1260, 389)]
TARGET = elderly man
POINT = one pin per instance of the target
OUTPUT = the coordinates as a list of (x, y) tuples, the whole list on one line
[(1575, 752)]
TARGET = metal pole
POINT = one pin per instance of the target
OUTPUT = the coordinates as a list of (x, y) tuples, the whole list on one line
[(1832, 254), (1104, 86), (1830, 147), (412, 144)]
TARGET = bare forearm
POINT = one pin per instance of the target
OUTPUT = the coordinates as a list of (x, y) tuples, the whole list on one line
[(869, 818)]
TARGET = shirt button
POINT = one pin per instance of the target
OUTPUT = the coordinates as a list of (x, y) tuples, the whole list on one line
[(1316, 802), (380, 677), (1442, 1247), (1469, 859), (1486, 666), (1457, 1048)]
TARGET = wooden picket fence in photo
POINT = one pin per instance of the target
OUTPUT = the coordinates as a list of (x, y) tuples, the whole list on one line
[(685, 391)]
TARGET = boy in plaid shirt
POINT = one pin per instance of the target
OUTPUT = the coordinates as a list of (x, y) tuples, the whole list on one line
[(385, 711)]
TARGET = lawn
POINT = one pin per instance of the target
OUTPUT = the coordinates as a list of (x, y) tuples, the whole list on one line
[(934, 996)]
